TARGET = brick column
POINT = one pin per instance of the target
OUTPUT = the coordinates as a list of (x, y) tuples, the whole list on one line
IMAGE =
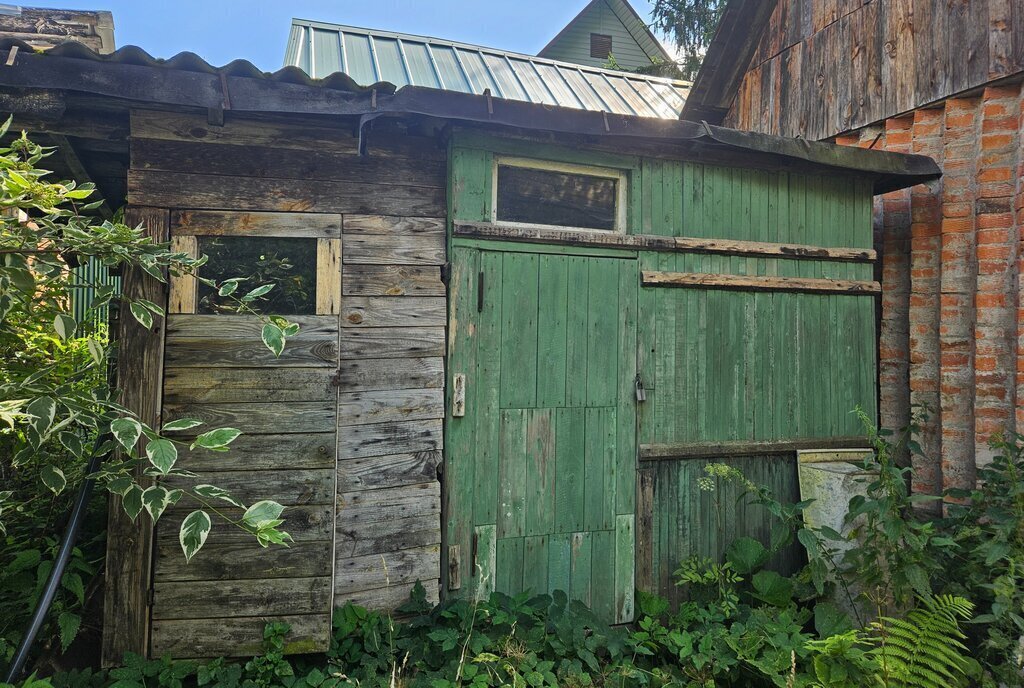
[(959, 278), (997, 290)]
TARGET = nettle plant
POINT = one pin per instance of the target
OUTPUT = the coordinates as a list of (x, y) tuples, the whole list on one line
[(54, 418)]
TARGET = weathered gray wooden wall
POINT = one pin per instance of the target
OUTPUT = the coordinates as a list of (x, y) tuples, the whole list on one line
[(345, 427)]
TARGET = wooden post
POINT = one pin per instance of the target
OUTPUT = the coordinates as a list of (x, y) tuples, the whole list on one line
[(139, 378)]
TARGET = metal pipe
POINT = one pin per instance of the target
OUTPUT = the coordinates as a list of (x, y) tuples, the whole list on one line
[(67, 545)]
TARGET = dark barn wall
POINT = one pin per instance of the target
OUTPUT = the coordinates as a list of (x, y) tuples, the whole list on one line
[(345, 427), (823, 67)]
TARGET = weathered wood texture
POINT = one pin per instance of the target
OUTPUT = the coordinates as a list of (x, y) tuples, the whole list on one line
[(390, 408), (822, 68), (129, 545), (478, 230), (337, 465), (807, 285), (544, 459), (681, 520), (220, 372), (723, 370)]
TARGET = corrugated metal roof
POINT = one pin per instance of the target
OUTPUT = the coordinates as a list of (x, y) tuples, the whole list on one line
[(370, 56)]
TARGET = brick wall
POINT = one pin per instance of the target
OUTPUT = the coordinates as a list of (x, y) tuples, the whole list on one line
[(952, 325)]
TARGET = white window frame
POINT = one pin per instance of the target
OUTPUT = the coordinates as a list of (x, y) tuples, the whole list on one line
[(621, 196)]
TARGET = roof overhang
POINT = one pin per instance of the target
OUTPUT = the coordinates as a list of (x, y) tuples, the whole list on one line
[(132, 75)]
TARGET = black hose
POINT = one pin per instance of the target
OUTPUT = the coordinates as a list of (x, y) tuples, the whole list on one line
[(63, 555)]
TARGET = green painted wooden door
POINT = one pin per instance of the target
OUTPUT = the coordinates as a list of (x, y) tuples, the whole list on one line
[(540, 471)]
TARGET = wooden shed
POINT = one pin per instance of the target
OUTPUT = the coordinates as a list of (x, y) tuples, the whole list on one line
[(525, 331)]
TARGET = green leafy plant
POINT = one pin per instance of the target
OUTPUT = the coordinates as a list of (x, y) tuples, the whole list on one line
[(925, 649), (896, 553), (57, 401), (987, 524)]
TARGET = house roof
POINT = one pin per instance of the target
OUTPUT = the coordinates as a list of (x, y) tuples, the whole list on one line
[(369, 56), (131, 76), (630, 19)]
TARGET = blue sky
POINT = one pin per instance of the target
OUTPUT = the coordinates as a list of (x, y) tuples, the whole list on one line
[(257, 30)]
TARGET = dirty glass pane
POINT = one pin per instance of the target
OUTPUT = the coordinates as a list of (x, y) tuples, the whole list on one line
[(288, 264), (548, 197)]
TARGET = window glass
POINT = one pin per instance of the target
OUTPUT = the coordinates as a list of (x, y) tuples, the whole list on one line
[(288, 264), (549, 197)]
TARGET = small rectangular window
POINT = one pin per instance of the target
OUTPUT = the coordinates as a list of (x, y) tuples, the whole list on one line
[(558, 195), (600, 46), (287, 263)]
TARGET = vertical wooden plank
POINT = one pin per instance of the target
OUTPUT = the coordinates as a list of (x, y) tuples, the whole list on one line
[(140, 374), (664, 358), (552, 325), (602, 598), (509, 557), (519, 329), (485, 389), (625, 568), (540, 476), (328, 276), (580, 548), (602, 334), (460, 440), (535, 564), (184, 297), (576, 364), (569, 469), (645, 531), (559, 561), (512, 474), (598, 477), (485, 565), (625, 458)]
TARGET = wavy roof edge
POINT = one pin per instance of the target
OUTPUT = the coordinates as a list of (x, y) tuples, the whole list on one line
[(312, 23), (190, 62), (252, 90)]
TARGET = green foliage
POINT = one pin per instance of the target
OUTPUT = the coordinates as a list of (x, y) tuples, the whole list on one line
[(925, 649), (896, 554), (56, 399), (692, 25), (988, 526)]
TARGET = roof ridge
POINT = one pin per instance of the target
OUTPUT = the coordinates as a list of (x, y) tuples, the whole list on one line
[(313, 23)]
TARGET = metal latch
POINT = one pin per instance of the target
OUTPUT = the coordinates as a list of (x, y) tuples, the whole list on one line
[(641, 393)]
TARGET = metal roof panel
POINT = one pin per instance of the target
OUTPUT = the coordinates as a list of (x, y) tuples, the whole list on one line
[(370, 56)]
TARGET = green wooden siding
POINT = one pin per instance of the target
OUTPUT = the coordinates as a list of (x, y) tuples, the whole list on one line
[(541, 469), (688, 521), (717, 364)]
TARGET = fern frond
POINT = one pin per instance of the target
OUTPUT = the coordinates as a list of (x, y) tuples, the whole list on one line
[(924, 650)]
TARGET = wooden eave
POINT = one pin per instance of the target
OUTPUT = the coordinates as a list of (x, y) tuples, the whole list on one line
[(729, 54), (240, 88)]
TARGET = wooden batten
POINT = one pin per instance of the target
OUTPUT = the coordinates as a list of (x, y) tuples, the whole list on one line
[(811, 285), (184, 288), (714, 450), (647, 242), (140, 371), (328, 276), (255, 224)]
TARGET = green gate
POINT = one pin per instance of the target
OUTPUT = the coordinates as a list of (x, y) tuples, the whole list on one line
[(541, 451)]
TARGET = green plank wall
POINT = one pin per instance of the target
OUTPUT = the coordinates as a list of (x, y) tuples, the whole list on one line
[(723, 365)]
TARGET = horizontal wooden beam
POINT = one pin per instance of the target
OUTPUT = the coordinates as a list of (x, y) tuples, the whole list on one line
[(814, 285), (724, 449), (647, 242)]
